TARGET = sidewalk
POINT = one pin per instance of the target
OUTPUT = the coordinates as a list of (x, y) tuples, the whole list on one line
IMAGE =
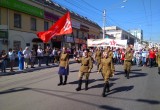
[(43, 66)]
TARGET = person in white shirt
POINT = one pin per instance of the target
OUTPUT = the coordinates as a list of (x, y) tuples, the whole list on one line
[(39, 55), (26, 54), (12, 56)]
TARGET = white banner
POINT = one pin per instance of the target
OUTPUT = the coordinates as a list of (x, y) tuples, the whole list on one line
[(107, 42)]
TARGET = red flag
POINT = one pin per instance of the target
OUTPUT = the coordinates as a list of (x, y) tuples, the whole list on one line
[(61, 27)]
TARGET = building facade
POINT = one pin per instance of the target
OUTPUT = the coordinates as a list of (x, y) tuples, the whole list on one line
[(20, 20), (120, 34), (138, 33)]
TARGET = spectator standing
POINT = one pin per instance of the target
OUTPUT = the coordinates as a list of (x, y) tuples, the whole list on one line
[(39, 55), (26, 54), (3, 61), (12, 56), (138, 57), (47, 53), (21, 59), (151, 57), (33, 57), (144, 57)]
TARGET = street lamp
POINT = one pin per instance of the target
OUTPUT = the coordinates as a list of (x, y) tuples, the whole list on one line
[(104, 19)]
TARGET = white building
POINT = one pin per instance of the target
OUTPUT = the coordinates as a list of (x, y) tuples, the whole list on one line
[(121, 34), (138, 33)]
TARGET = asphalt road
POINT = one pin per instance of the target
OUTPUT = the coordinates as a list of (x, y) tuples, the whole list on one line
[(38, 90)]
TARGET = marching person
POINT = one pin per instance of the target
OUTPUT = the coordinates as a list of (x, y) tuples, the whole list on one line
[(85, 69), (107, 69), (98, 57), (109, 51), (127, 62), (158, 60), (90, 55), (63, 67)]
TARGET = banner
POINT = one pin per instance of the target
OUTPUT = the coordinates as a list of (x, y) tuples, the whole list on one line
[(61, 27), (107, 42)]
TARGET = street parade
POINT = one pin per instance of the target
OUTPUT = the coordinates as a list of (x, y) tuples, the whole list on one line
[(79, 55)]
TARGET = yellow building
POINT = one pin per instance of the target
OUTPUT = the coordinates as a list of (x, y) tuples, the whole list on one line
[(20, 20)]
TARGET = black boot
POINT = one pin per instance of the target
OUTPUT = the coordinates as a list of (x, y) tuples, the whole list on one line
[(86, 84), (108, 88), (65, 80), (60, 80), (158, 70), (125, 74), (79, 85), (104, 90)]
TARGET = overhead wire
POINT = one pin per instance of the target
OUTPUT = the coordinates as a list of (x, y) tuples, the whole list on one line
[(151, 17), (96, 10)]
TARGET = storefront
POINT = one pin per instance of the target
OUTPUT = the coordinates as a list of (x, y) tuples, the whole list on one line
[(57, 42)]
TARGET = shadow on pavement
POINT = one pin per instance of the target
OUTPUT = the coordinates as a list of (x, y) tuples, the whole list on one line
[(132, 74), (136, 70), (54, 93), (119, 72), (148, 101), (101, 85), (113, 79), (18, 89), (74, 71), (120, 89), (136, 74), (83, 81), (106, 107)]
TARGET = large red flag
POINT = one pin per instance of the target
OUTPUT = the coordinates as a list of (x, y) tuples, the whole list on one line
[(61, 27)]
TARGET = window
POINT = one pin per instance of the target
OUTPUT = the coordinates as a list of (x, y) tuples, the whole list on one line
[(33, 24), (46, 25), (83, 35), (77, 34), (0, 17), (17, 20)]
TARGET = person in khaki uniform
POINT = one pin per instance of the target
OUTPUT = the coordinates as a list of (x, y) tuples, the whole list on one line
[(127, 62), (109, 51), (158, 60), (107, 68), (63, 67), (98, 55), (85, 69), (90, 55)]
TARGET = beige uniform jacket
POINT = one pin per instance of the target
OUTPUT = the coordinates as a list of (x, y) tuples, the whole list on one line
[(64, 60), (86, 64)]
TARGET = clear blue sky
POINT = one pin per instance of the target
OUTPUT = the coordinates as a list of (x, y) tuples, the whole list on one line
[(127, 14)]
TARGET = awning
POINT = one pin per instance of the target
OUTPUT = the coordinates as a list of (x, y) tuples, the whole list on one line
[(37, 40)]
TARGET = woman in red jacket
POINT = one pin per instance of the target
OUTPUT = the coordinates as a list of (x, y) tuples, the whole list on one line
[(152, 56), (122, 56)]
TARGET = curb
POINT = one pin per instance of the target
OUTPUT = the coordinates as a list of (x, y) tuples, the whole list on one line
[(31, 69)]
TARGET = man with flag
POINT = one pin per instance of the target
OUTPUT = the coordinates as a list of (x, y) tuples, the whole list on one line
[(61, 27)]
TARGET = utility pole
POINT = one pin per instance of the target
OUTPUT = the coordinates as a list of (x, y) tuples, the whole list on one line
[(104, 22)]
